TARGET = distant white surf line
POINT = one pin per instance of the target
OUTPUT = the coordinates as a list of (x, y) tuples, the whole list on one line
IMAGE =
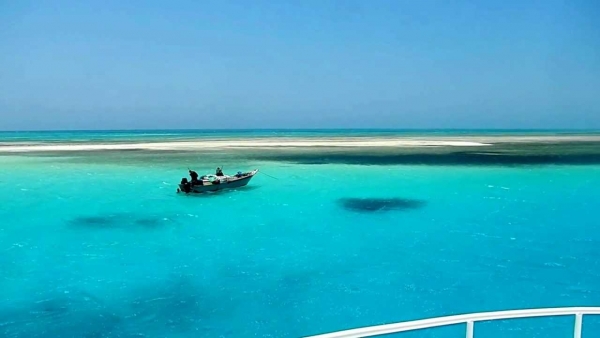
[(218, 144)]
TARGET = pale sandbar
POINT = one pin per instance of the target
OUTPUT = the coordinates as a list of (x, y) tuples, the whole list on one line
[(294, 142)]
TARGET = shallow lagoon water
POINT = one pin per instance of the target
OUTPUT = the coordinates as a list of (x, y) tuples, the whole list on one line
[(100, 245)]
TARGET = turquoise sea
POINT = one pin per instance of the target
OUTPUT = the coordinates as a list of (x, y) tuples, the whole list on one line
[(99, 244)]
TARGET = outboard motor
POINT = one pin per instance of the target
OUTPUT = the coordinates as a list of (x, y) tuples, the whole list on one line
[(185, 185)]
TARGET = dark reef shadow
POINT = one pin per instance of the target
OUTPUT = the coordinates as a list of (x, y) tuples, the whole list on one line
[(120, 221), (371, 205), (582, 153), (104, 222)]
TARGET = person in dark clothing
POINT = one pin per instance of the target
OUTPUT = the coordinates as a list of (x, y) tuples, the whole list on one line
[(219, 172), (194, 176)]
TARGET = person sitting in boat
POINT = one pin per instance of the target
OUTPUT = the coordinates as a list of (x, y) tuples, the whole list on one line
[(194, 176), (219, 172)]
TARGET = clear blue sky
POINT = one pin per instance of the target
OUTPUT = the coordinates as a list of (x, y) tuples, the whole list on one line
[(299, 64)]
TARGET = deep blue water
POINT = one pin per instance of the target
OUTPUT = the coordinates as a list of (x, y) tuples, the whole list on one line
[(97, 247)]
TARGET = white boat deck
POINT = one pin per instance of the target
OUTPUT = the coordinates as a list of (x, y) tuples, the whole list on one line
[(469, 320)]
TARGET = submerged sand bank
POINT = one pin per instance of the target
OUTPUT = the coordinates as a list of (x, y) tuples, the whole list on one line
[(283, 142)]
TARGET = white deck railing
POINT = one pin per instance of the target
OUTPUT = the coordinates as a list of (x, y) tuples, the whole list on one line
[(468, 319)]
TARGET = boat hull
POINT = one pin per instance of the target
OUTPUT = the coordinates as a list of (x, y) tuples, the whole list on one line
[(230, 182)]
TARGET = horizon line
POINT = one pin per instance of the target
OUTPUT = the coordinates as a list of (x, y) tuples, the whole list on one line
[(295, 129)]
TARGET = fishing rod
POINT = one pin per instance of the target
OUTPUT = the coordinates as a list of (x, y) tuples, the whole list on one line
[(262, 172)]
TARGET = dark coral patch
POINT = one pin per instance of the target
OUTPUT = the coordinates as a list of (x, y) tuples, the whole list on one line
[(120, 221), (367, 205), (107, 221)]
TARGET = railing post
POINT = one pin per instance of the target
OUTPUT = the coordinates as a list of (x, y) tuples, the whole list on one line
[(470, 325), (578, 323)]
